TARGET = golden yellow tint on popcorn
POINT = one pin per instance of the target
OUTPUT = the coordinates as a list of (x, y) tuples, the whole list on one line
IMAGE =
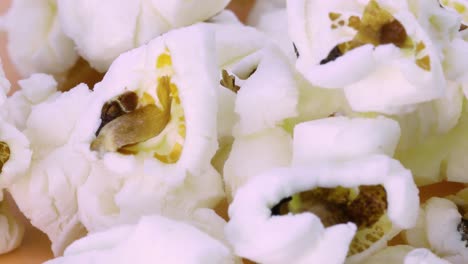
[(365, 206), (4, 154), (377, 27), (166, 125), (164, 60)]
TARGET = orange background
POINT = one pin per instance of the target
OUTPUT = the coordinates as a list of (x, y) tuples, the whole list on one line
[(36, 246)]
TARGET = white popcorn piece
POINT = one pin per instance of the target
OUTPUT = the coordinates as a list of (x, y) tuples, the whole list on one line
[(404, 254), (152, 239), (344, 138), (46, 194), (36, 40), (271, 18), (36, 89), (442, 227), (254, 154), (258, 233), (268, 96), (265, 94), (433, 139), (15, 158), (11, 231), (236, 46), (102, 30), (459, 6), (422, 255), (262, 7), (336, 51), (154, 115)]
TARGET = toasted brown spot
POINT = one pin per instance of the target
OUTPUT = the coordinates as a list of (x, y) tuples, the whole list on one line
[(124, 103), (5, 153), (282, 207), (81, 72), (420, 47), (369, 206), (229, 81), (296, 51), (334, 16), (462, 228), (424, 63), (131, 128), (393, 33), (354, 22), (332, 55)]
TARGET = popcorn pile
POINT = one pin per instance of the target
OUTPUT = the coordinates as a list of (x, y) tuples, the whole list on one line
[(316, 124)]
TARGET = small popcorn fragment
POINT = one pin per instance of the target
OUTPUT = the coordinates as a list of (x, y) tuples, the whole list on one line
[(442, 227)]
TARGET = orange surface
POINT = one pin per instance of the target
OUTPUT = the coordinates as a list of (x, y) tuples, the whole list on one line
[(36, 246)]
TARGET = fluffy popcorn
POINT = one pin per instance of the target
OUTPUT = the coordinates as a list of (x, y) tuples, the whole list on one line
[(260, 229), (254, 154), (404, 254), (152, 239), (36, 89), (102, 30), (46, 194), (262, 103), (150, 132), (44, 49), (236, 46), (430, 150), (15, 157), (459, 6), (343, 138), (267, 96), (271, 17), (262, 7), (11, 231), (335, 52), (442, 227)]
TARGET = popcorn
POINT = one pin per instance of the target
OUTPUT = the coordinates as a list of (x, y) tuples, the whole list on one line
[(261, 213), (342, 138), (15, 157), (254, 154), (442, 227), (459, 6), (45, 48), (436, 155), (105, 29), (46, 194), (153, 239), (11, 231), (350, 55), (271, 17), (405, 255), (150, 132), (262, 104)]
